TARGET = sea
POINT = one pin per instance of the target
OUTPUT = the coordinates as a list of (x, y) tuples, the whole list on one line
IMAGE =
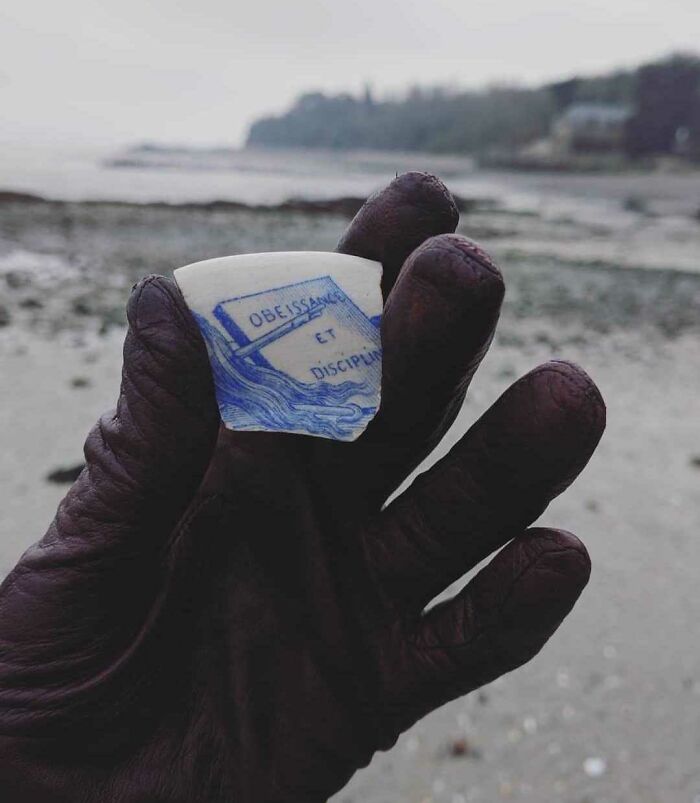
[(631, 219)]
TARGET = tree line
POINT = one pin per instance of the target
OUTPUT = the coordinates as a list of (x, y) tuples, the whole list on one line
[(663, 98)]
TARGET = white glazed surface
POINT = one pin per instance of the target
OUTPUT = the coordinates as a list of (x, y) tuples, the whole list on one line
[(314, 366)]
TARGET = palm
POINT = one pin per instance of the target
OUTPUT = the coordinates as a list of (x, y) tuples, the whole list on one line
[(232, 616)]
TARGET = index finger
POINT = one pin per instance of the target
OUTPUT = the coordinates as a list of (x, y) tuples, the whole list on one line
[(396, 220)]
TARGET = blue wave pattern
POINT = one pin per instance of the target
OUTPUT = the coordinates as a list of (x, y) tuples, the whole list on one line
[(254, 397)]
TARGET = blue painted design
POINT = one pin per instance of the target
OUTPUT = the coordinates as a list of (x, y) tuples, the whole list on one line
[(237, 333), (254, 394)]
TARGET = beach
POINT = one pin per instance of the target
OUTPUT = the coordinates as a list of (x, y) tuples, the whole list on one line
[(603, 270)]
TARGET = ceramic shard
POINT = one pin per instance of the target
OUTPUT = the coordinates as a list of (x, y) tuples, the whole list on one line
[(293, 339)]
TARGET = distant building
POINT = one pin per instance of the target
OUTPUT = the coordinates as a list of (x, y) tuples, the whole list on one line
[(591, 127), (686, 141)]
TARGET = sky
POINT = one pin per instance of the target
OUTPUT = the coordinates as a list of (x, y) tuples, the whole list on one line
[(200, 71)]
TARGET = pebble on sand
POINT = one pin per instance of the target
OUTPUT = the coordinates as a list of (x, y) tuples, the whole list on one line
[(80, 382), (462, 747), (66, 475), (594, 766)]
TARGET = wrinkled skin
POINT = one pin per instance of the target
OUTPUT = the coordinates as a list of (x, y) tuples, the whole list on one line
[(218, 616)]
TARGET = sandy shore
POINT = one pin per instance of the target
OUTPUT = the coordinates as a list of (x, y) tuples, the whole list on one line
[(609, 712)]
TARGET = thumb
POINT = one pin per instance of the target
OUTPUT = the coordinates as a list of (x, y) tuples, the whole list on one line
[(146, 458), (77, 599)]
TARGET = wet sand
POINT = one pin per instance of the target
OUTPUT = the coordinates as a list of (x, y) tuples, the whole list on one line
[(610, 710)]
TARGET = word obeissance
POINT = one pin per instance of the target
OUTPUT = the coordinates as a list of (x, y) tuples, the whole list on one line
[(291, 309), (280, 312)]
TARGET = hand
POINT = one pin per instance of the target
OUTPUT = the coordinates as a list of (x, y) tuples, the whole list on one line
[(228, 616)]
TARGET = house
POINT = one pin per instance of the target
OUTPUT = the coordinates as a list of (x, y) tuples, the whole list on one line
[(591, 127)]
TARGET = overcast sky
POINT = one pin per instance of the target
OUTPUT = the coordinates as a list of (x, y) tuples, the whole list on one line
[(113, 71)]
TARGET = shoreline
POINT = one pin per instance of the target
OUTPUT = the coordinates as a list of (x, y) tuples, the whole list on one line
[(343, 205), (68, 265)]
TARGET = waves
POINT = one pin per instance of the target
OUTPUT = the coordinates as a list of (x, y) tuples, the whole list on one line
[(254, 397)]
